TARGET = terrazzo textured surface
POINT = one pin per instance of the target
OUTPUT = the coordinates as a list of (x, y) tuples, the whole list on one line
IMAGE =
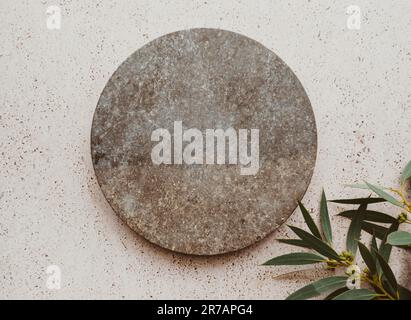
[(52, 211), (208, 79)]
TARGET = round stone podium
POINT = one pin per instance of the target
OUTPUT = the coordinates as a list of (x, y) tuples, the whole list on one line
[(204, 79)]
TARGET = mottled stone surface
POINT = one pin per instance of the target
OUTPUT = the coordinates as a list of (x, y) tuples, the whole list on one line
[(207, 78)]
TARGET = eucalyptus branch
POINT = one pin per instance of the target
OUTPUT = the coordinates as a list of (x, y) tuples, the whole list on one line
[(378, 274)]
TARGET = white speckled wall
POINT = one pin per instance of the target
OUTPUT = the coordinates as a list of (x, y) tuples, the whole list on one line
[(52, 211)]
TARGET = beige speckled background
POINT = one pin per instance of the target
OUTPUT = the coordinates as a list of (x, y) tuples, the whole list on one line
[(51, 208)]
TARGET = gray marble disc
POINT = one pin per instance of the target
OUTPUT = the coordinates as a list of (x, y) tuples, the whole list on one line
[(206, 78)]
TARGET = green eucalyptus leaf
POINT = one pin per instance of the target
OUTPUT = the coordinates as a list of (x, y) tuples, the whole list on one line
[(292, 259), (316, 244), (385, 195), (367, 200), (318, 287), (399, 238), (295, 242), (406, 174), (335, 293), (369, 215), (386, 285), (372, 228), (368, 258), (385, 248), (354, 230), (309, 221), (356, 294), (387, 272), (325, 219)]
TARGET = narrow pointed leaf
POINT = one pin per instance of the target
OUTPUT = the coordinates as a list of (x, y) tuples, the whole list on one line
[(358, 200), (384, 195), (309, 221), (354, 230), (325, 219), (406, 174), (335, 293), (386, 285), (295, 242), (385, 248), (316, 288), (369, 215), (373, 229), (399, 238), (315, 243), (387, 272), (293, 259), (368, 258), (357, 294)]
